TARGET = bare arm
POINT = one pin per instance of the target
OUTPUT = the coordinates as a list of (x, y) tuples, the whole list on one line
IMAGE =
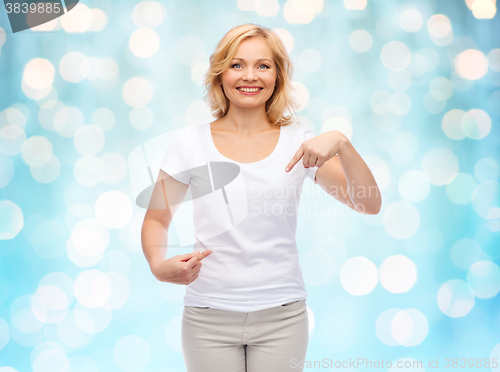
[(339, 175), (348, 166), (359, 180), (166, 197)]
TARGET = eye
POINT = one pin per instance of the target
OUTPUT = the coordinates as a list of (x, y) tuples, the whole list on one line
[(237, 64)]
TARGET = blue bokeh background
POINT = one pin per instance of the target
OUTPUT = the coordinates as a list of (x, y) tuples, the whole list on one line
[(415, 85)]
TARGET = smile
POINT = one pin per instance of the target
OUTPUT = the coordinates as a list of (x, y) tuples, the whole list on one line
[(249, 91)]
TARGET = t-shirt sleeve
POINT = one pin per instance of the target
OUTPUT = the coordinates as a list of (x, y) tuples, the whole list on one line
[(174, 161), (309, 133)]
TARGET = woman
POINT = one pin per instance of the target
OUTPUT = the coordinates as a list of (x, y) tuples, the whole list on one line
[(246, 310)]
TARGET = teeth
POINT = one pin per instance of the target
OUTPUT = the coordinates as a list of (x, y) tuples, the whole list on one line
[(249, 90)]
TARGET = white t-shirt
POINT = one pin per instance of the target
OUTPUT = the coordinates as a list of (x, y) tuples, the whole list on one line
[(246, 213)]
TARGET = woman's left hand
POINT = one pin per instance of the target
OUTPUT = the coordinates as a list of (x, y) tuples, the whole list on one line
[(318, 150)]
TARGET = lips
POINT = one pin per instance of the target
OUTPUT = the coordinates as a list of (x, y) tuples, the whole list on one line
[(259, 88)]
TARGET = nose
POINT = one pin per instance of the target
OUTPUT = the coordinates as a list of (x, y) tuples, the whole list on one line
[(249, 74)]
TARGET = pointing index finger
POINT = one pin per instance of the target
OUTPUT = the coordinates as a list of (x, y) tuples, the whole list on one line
[(298, 155), (200, 256)]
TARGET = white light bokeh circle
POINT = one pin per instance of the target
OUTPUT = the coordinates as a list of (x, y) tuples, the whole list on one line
[(452, 124), (398, 274), (24, 319), (355, 4), (12, 139), (413, 186), (89, 170), (51, 360), (433, 105), (321, 263), (50, 304), (455, 298), (68, 120), (7, 173), (388, 123), (399, 81), (149, 14), (301, 94), (120, 291), (419, 65), (297, 12), (104, 118), (460, 84), (74, 67), (310, 60), (439, 26), (110, 69), (361, 41), (495, 353), (337, 123), (401, 220), (471, 64), (484, 9), (141, 118), (383, 326), (92, 288), (95, 69), (78, 20), (494, 59), (411, 20), (113, 209), (409, 327), (399, 103), (476, 124), (486, 169), (440, 165), (2, 37), (4, 339), (37, 151), (432, 58), (484, 197), (89, 140), (465, 252), (14, 116), (387, 26), (358, 276), (379, 101), (173, 333), (137, 92), (484, 278), (12, 220), (48, 172), (99, 20), (88, 242), (115, 168), (189, 49), (441, 88), (460, 190), (132, 353), (39, 74), (395, 56), (47, 112), (144, 42)]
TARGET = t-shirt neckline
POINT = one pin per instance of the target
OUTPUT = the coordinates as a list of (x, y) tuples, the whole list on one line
[(255, 163)]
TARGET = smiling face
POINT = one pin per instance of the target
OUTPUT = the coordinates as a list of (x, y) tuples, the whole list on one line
[(252, 66)]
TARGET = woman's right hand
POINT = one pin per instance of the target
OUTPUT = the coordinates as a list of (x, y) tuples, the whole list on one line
[(181, 269)]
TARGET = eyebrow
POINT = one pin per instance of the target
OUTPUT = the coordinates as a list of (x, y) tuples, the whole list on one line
[(260, 59)]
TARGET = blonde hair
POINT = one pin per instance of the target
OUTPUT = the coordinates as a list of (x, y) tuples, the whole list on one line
[(221, 59)]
